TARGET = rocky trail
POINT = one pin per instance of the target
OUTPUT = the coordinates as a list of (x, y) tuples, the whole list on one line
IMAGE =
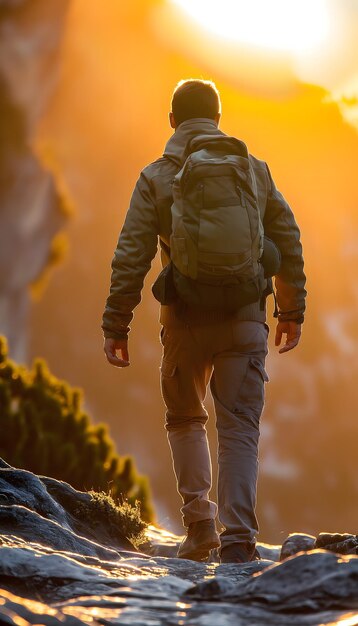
[(58, 567)]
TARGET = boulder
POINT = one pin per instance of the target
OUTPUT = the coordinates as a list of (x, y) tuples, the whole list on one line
[(338, 543), (296, 542)]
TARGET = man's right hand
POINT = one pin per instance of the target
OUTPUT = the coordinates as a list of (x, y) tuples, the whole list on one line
[(292, 330), (111, 347)]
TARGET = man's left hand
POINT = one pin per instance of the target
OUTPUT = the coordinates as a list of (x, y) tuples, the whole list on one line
[(292, 330)]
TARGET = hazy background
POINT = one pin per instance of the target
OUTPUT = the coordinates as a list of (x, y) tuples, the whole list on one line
[(118, 63)]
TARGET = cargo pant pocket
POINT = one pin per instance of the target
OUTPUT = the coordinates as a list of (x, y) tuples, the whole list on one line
[(169, 384), (251, 394)]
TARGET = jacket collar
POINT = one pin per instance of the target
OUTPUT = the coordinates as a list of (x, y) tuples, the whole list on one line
[(177, 143)]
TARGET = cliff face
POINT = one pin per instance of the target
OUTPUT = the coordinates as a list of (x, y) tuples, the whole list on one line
[(30, 205)]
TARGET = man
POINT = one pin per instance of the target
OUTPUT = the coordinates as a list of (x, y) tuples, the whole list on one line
[(199, 346)]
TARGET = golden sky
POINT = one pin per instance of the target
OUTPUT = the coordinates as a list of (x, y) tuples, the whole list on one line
[(268, 44)]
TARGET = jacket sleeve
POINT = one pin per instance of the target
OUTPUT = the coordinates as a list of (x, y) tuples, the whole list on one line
[(281, 227), (136, 248)]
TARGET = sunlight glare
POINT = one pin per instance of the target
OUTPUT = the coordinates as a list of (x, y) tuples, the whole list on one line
[(299, 26), (351, 620)]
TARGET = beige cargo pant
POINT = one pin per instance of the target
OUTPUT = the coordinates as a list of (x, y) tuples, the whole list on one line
[(231, 355)]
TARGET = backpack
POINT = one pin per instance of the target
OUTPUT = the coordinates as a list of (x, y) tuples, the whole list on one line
[(217, 237)]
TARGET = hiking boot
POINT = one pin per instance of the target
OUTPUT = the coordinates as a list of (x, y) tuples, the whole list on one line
[(202, 537), (239, 553)]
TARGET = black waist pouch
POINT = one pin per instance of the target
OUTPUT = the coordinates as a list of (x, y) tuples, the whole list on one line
[(271, 258), (227, 298), (164, 288)]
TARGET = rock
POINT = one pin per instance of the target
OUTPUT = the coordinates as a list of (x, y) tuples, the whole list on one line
[(129, 606), (162, 542), (313, 581), (20, 487), (268, 552), (308, 582), (26, 610), (340, 544), (57, 576), (53, 576), (296, 542), (226, 578), (334, 542), (19, 521), (66, 566), (216, 588), (56, 515)]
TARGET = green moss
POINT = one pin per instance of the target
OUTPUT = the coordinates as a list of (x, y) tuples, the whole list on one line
[(121, 515)]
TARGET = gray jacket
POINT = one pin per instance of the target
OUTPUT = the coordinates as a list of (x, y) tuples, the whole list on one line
[(149, 218)]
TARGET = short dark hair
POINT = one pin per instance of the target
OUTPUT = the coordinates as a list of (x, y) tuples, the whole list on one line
[(195, 98)]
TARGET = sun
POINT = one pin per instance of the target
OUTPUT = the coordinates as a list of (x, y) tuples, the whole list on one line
[(292, 26)]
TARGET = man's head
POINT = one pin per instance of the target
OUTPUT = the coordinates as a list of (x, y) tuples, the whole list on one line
[(194, 98)]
